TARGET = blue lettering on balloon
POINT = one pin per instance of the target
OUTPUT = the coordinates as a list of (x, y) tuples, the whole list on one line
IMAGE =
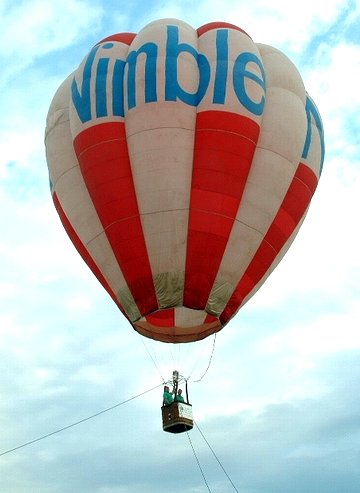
[(100, 87), (240, 74), (151, 51), (222, 66), (100, 83), (312, 112), (173, 90), (82, 102), (81, 94)]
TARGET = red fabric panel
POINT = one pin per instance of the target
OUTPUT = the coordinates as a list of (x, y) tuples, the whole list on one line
[(209, 319), (104, 162), (162, 318), (290, 213), (224, 147), (125, 38), (218, 25)]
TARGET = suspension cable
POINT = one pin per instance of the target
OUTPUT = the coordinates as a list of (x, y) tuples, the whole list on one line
[(222, 467), (198, 463), (151, 357), (78, 422), (208, 366)]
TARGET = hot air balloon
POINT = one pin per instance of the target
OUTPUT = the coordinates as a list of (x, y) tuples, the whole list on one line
[(182, 164)]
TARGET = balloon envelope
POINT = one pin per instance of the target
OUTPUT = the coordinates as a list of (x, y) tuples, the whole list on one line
[(182, 163)]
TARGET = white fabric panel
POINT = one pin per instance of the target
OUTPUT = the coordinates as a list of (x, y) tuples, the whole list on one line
[(283, 72), (59, 150), (185, 317), (160, 172), (283, 127), (160, 141), (75, 200)]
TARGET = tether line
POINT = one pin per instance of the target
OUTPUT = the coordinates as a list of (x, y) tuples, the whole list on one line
[(198, 463), (222, 467), (78, 422)]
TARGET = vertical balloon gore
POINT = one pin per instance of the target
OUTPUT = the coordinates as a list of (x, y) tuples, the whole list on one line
[(182, 165)]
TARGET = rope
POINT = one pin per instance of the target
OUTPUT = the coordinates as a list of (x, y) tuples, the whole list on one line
[(208, 366), (78, 422), (151, 357), (198, 463), (207, 443)]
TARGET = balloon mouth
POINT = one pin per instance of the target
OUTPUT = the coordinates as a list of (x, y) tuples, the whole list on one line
[(178, 325)]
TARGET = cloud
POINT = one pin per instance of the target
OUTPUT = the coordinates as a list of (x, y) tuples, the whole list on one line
[(280, 23), (333, 84), (30, 30), (279, 446)]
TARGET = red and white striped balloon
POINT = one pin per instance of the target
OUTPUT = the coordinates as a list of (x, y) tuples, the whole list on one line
[(182, 163)]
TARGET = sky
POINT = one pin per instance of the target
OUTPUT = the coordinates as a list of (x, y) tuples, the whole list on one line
[(278, 405)]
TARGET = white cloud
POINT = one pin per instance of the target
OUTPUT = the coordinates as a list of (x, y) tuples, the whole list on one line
[(332, 333), (35, 28), (280, 23), (333, 85)]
